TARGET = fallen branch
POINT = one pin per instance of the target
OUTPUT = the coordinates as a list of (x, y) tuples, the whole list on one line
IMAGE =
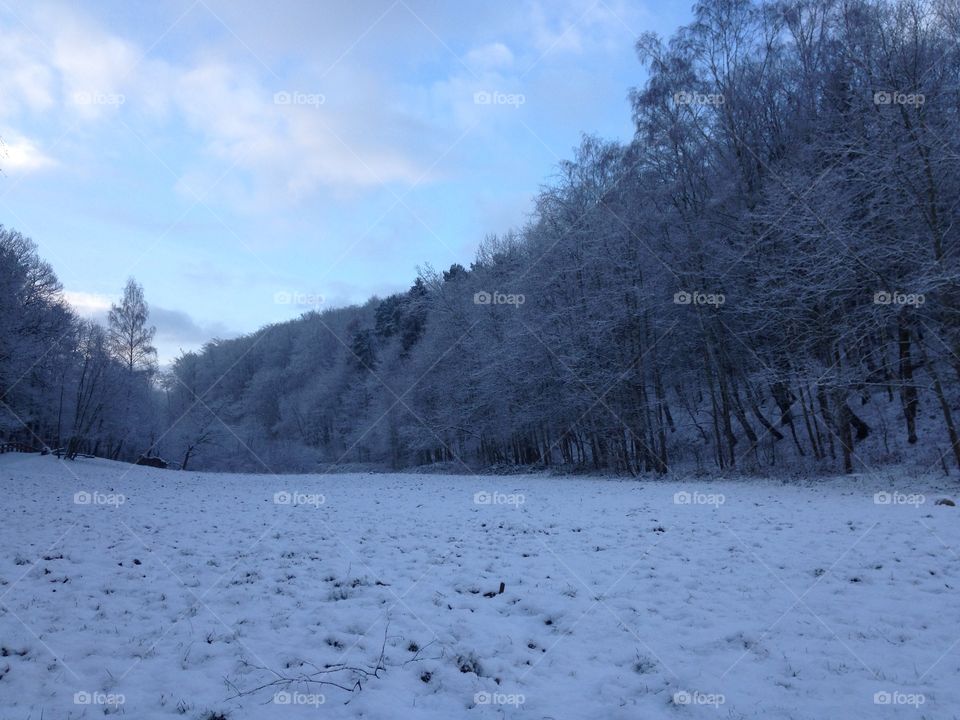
[(317, 677)]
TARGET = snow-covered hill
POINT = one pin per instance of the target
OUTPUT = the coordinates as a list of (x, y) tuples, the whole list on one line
[(161, 594)]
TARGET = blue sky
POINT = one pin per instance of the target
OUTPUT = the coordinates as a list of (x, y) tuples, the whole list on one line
[(235, 155)]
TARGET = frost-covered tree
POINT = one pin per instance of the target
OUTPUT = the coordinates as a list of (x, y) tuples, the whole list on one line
[(131, 337), (35, 325)]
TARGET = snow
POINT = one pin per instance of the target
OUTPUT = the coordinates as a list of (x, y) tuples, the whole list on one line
[(162, 594)]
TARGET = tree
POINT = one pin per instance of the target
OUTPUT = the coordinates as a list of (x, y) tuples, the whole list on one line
[(131, 337), (130, 340), (35, 328), (94, 389)]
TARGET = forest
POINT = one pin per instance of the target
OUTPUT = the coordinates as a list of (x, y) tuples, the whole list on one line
[(766, 278)]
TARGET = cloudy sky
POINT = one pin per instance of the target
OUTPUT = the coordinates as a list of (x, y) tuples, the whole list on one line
[(248, 160)]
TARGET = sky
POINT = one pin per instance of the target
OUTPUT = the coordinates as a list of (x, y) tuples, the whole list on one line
[(248, 161)]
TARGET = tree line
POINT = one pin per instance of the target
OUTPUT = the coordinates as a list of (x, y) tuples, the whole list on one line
[(70, 385), (765, 276)]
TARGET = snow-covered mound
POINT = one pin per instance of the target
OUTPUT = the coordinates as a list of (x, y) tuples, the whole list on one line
[(162, 594)]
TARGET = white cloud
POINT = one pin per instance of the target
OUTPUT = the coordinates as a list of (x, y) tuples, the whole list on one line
[(289, 150), (89, 305), (369, 128), (493, 55), (20, 154), (350, 137), (93, 66), (27, 80)]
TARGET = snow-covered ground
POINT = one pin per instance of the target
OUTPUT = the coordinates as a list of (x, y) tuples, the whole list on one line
[(162, 594)]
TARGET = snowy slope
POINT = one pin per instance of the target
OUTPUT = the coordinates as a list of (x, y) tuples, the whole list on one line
[(161, 594)]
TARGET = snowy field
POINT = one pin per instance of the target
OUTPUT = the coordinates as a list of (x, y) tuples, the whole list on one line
[(161, 594)]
